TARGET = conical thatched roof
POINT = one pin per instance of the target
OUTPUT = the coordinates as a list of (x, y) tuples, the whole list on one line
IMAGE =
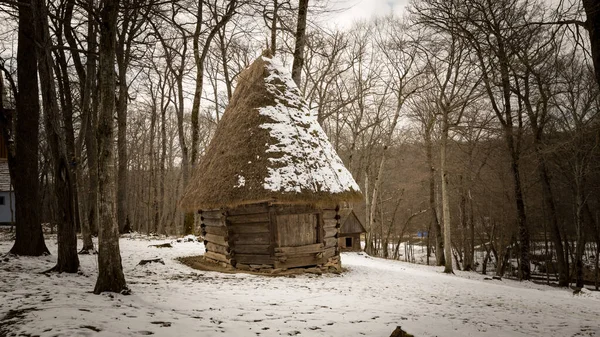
[(268, 147)]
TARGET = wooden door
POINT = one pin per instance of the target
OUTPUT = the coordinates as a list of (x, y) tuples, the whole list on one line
[(294, 230)]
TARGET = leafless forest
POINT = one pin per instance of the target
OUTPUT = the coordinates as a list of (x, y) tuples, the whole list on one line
[(474, 121)]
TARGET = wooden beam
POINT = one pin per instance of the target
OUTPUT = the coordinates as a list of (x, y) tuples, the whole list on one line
[(330, 252), (327, 214), (213, 247), (300, 262), (254, 259), (218, 257), (213, 222), (248, 218), (331, 232), (213, 214), (222, 231), (330, 223), (252, 249), (218, 239), (315, 248), (258, 227), (330, 242), (251, 239)]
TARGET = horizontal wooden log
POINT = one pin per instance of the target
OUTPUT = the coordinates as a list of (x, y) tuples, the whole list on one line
[(218, 257), (213, 222), (248, 209), (331, 232), (248, 218), (222, 231), (212, 214), (254, 259), (283, 258), (218, 239), (330, 242), (213, 247), (251, 239), (330, 252), (252, 249), (327, 214), (314, 248), (258, 227), (304, 261), (329, 223)]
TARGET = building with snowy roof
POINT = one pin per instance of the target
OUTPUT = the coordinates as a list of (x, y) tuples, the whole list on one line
[(270, 184)]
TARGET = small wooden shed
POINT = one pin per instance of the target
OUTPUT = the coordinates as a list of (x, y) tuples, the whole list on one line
[(269, 185), (350, 230)]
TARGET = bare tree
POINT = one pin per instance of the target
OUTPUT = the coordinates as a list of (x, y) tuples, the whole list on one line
[(67, 239), (110, 270), (29, 238), (300, 42), (475, 21)]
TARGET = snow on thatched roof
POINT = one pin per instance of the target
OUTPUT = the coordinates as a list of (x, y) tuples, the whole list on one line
[(268, 147)]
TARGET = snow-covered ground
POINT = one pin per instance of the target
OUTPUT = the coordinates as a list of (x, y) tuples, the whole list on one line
[(370, 299)]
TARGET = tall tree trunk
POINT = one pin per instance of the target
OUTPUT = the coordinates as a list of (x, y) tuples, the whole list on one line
[(300, 42), (73, 151), (446, 197), (439, 242), (464, 220), (163, 158), (88, 135), (29, 237), (274, 27), (200, 59), (188, 219), (563, 273), (123, 57), (122, 181), (579, 221), (372, 207), (75, 148), (153, 180), (67, 261), (226, 76), (524, 267), (110, 270)]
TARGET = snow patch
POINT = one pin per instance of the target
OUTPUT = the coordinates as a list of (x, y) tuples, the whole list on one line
[(369, 299), (304, 158), (241, 182)]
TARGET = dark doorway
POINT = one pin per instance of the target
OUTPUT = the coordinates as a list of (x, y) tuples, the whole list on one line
[(349, 242)]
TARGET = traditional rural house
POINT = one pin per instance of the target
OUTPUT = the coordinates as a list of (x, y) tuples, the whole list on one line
[(269, 185), (350, 231)]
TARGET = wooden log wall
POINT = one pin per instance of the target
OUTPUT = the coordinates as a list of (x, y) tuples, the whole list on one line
[(250, 232), (216, 237), (313, 254), (247, 235), (331, 228)]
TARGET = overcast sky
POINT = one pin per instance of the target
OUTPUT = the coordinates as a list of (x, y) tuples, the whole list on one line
[(362, 10)]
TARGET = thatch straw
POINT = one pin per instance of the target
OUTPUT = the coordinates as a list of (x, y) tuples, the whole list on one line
[(241, 161)]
